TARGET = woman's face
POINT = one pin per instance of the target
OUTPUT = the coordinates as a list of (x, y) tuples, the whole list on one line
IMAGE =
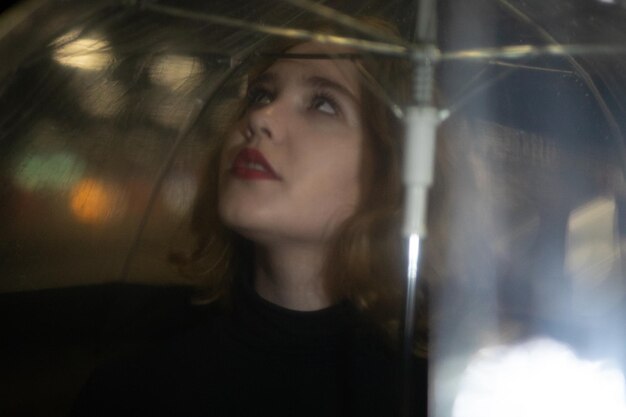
[(290, 168)]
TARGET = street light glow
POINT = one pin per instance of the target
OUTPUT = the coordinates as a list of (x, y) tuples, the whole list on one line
[(90, 54), (539, 378)]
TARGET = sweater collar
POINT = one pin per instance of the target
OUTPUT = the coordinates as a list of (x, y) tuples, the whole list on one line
[(261, 322)]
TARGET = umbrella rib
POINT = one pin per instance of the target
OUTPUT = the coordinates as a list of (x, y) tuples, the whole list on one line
[(361, 44), (529, 67), (584, 74), (526, 51), (461, 101), (169, 160), (345, 20), (188, 125)]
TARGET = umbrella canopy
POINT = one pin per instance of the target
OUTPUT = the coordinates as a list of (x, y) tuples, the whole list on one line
[(96, 139), (107, 107)]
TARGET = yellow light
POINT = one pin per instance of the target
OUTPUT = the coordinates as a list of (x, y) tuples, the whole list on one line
[(86, 53), (92, 201)]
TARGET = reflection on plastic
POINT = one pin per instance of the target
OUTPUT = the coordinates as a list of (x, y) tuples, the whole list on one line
[(591, 239), (593, 258), (179, 193), (539, 378), (87, 53), (94, 202)]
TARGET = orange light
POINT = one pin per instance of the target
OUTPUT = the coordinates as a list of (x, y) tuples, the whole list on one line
[(93, 202)]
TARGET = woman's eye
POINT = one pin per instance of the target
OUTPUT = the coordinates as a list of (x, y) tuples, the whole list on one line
[(259, 96), (325, 105)]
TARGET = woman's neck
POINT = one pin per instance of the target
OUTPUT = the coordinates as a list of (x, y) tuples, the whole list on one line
[(291, 277)]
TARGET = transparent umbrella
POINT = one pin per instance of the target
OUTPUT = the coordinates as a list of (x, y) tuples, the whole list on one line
[(100, 107), (531, 297)]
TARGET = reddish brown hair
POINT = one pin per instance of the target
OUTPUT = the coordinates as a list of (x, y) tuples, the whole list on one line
[(365, 261)]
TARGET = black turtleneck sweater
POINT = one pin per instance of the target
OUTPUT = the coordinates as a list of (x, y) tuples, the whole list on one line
[(258, 359)]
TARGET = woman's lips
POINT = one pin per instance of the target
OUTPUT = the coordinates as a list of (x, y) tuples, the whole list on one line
[(250, 164)]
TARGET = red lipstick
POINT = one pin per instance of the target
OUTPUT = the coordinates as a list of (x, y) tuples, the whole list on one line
[(250, 164)]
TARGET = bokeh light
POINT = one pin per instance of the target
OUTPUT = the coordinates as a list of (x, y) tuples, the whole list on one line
[(89, 53), (92, 201), (56, 171)]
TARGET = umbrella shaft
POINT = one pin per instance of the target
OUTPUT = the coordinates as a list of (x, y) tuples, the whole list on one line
[(407, 368)]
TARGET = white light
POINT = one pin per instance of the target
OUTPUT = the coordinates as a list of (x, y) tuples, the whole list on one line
[(85, 53), (539, 378)]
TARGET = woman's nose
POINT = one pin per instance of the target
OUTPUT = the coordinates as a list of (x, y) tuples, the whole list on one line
[(266, 122)]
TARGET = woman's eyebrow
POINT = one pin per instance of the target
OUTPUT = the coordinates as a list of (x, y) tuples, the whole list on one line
[(323, 82), (266, 77), (315, 81)]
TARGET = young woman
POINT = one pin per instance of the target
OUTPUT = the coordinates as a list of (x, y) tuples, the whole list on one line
[(297, 250)]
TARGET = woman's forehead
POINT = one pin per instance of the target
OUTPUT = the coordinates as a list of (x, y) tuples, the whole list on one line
[(320, 48), (336, 69)]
